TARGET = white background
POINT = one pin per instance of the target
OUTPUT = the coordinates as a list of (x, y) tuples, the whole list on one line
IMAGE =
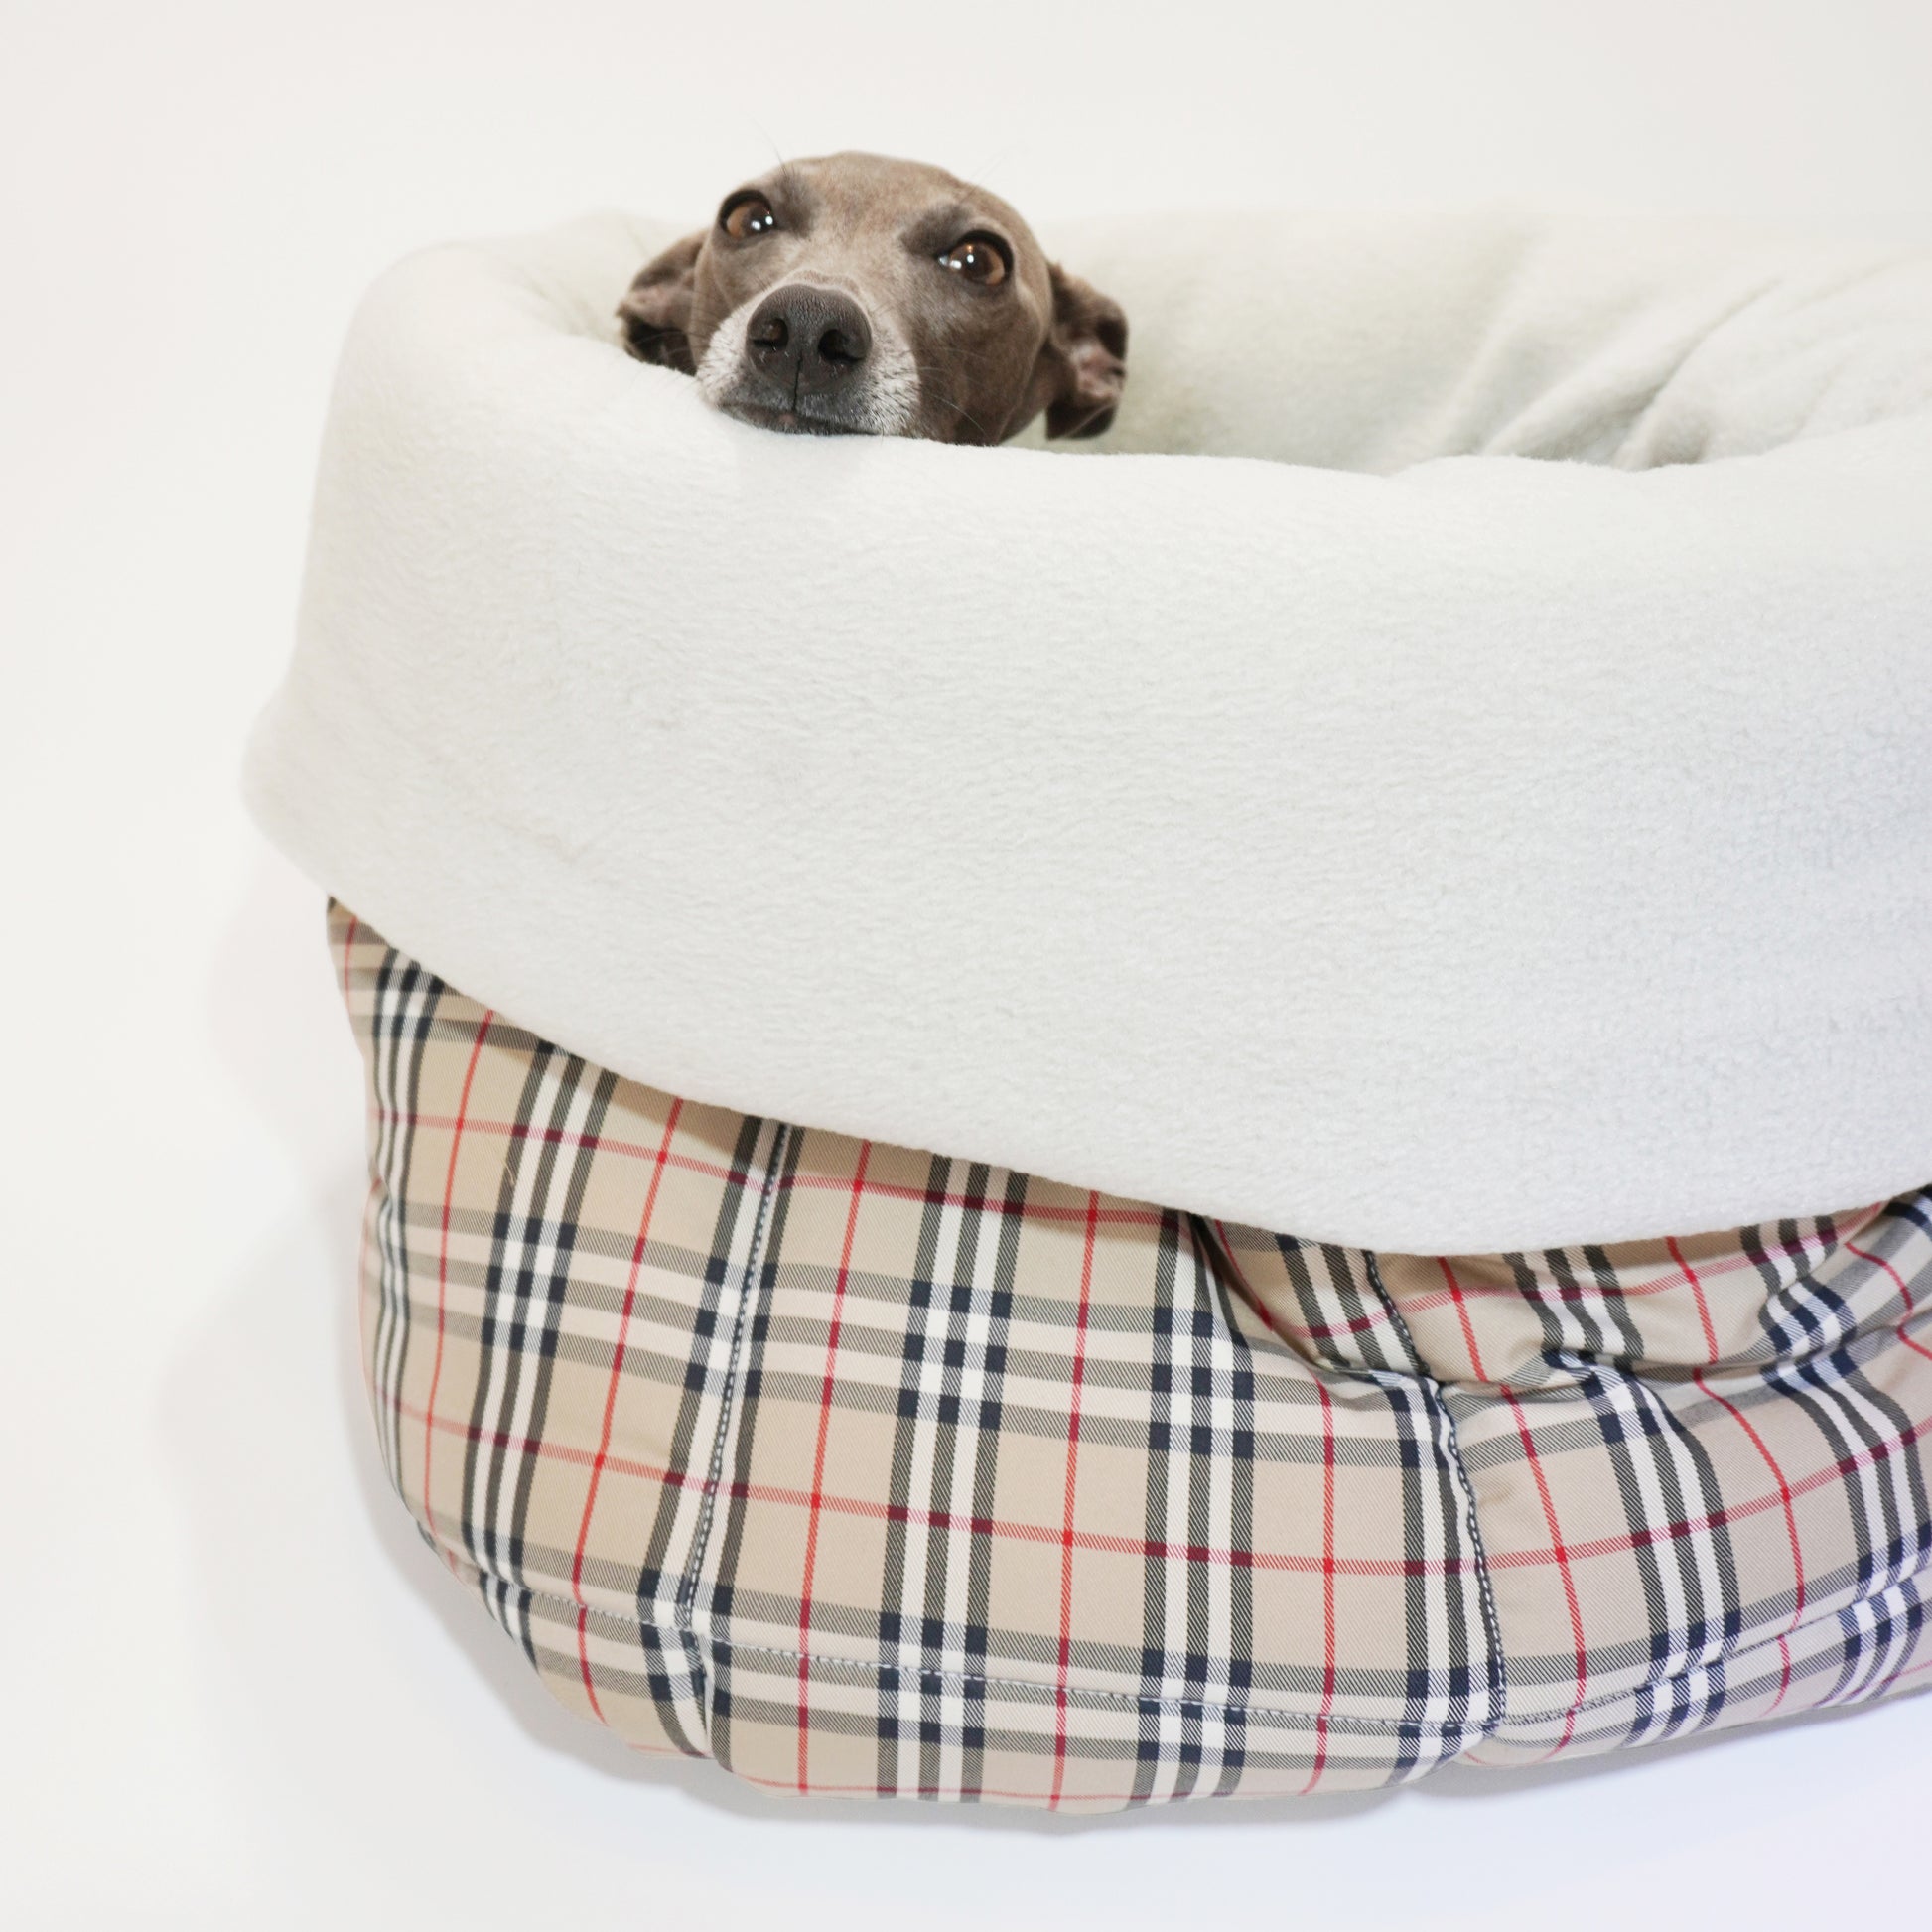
[(237, 1689)]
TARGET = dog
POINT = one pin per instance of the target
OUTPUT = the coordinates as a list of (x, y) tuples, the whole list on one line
[(854, 294)]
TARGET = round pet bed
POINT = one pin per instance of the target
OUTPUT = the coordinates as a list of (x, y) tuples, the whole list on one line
[(1496, 874)]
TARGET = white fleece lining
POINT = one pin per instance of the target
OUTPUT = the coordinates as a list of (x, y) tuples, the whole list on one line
[(1394, 842)]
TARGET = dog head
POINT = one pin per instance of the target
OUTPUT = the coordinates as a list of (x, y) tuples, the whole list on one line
[(853, 294)]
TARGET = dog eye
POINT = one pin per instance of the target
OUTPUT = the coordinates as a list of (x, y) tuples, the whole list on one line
[(977, 258), (750, 216)]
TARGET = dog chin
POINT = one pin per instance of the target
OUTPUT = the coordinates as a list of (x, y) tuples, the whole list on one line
[(790, 422)]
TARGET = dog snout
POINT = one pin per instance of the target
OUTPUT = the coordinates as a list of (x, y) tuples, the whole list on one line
[(807, 339)]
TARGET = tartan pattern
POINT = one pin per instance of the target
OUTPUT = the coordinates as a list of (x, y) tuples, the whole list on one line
[(866, 1470)]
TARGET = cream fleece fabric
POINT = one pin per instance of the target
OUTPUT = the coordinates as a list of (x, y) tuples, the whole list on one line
[(1392, 840)]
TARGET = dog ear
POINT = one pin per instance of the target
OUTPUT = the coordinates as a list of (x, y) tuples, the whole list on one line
[(657, 311), (1088, 344)]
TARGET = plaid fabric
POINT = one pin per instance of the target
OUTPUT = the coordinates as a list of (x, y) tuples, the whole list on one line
[(872, 1471)]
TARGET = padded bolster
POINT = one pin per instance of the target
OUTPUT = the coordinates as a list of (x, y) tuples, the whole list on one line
[(1394, 840)]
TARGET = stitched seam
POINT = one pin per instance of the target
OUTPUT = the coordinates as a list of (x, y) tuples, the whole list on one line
[(1476, 1733), (1738, 1653), (1724, 1660), (1485, 1587), (1039, 1687), (688, 1588)]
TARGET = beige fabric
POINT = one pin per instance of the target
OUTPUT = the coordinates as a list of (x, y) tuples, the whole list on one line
[(876, 1471)]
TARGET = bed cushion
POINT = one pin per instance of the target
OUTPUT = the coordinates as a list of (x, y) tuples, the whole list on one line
[(877, 1472), (1468, 791)]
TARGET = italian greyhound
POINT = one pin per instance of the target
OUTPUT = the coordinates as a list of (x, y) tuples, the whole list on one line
[(857, 294)]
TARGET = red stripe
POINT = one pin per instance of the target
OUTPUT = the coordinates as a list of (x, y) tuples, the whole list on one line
[(443, 1265), (818, 1466), (1911, 1305), (1562, 1556), (1127, 1214), (1549, 1289), (1463, 1316), (1327, 1589), (1784, 1499), (1006, 1794), (1784, 1679), (1899, 1279), (1697, 1289), (610, 1405), (948, 1521), (1066, 1518), (999, 1794), (1278, 1327), (1120, 1215)]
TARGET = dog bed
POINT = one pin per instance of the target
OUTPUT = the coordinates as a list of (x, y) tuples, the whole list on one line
[(1318, 815)]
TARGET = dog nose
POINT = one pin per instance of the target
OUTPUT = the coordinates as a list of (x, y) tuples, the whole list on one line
[(807, 339)]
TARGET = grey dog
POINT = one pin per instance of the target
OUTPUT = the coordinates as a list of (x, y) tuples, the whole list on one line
[(856, 294)]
